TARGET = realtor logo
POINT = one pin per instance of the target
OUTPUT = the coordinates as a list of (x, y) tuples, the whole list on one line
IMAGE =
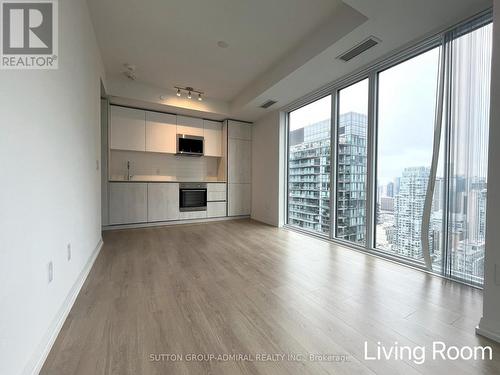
[(29, 34)]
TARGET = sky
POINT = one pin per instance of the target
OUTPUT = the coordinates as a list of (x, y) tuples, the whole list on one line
[(406, 111), (321, 109)]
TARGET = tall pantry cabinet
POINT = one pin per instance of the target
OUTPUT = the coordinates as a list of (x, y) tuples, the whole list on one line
[(239, 168)]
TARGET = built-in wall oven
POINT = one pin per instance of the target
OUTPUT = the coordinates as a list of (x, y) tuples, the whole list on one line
[(192, 197)]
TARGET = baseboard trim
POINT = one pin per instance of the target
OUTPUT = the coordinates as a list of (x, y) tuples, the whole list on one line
[(174, 222), (38, 359), (483, 330), (271, 223)]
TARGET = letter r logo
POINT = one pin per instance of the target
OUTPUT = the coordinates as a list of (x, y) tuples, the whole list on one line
[(27, 28)]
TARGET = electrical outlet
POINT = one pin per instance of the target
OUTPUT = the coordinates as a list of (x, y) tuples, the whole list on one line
[(51, 271), (69, 252)]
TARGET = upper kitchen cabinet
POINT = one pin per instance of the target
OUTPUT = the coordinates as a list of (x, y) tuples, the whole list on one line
[(190, 126), (213, 138), (161, 131), (128, 129), (239, 130)]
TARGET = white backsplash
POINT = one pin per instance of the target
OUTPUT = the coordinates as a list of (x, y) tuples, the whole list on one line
[(163, 166)]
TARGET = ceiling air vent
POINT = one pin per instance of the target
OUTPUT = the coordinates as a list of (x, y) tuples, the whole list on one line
[(359, 49), (268, 104)]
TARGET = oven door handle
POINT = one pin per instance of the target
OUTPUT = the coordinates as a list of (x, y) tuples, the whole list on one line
[(202, 190)]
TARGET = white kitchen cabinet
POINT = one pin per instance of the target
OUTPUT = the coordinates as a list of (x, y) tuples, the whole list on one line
[(239, 168), (216, 209), (216, 192), (161, 132), (128, 129), (190, 126), (128, 202), (163, 201), (239, 161), (187, 215), (212, 132), (239, 130), (239, 199)]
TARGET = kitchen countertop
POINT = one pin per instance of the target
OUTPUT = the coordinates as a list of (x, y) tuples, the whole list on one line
[(162, 179)]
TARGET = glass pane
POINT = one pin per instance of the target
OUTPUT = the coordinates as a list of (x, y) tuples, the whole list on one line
[(351, 163), (406, 110), (309, 166), (470, 108)]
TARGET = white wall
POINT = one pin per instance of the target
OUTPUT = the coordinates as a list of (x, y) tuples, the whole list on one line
[(267, 167), (153, 164), (490, 322), (50, 189)]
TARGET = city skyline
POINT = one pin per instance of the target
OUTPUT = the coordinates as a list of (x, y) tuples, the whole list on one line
[(398, 225)]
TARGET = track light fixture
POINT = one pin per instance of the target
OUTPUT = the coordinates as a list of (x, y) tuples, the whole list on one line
[(189, 91)]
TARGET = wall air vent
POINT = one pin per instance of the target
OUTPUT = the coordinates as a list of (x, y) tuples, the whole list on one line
[(268, 104), (359, 49)]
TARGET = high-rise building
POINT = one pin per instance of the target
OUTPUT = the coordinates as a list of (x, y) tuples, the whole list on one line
[(397, 183), (387, 204), (408, 211), (309, 177), (351, 177), (390, 190), (438, 195), (476, 210)]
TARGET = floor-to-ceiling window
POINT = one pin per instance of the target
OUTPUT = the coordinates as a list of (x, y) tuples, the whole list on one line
[(409, 154), (352, 132), (469, 103), (309, 158), (406, 120)]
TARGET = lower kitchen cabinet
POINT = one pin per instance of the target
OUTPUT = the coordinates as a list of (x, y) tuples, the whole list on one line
[(239, 199), (128, 203), (186, 215), (216, 192), (163, 201), (216, 209), (153, 202)]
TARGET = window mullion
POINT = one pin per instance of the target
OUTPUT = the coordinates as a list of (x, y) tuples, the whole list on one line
[(333, 164), (371, 163)]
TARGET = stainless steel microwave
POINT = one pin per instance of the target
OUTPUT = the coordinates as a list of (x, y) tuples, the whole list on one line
[(190, 145)]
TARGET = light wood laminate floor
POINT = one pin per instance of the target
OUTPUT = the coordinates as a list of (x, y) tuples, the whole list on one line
[(245, 288)]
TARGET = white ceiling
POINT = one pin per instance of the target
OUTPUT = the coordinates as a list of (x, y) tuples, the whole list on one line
[(278, 49), (174, 42)]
